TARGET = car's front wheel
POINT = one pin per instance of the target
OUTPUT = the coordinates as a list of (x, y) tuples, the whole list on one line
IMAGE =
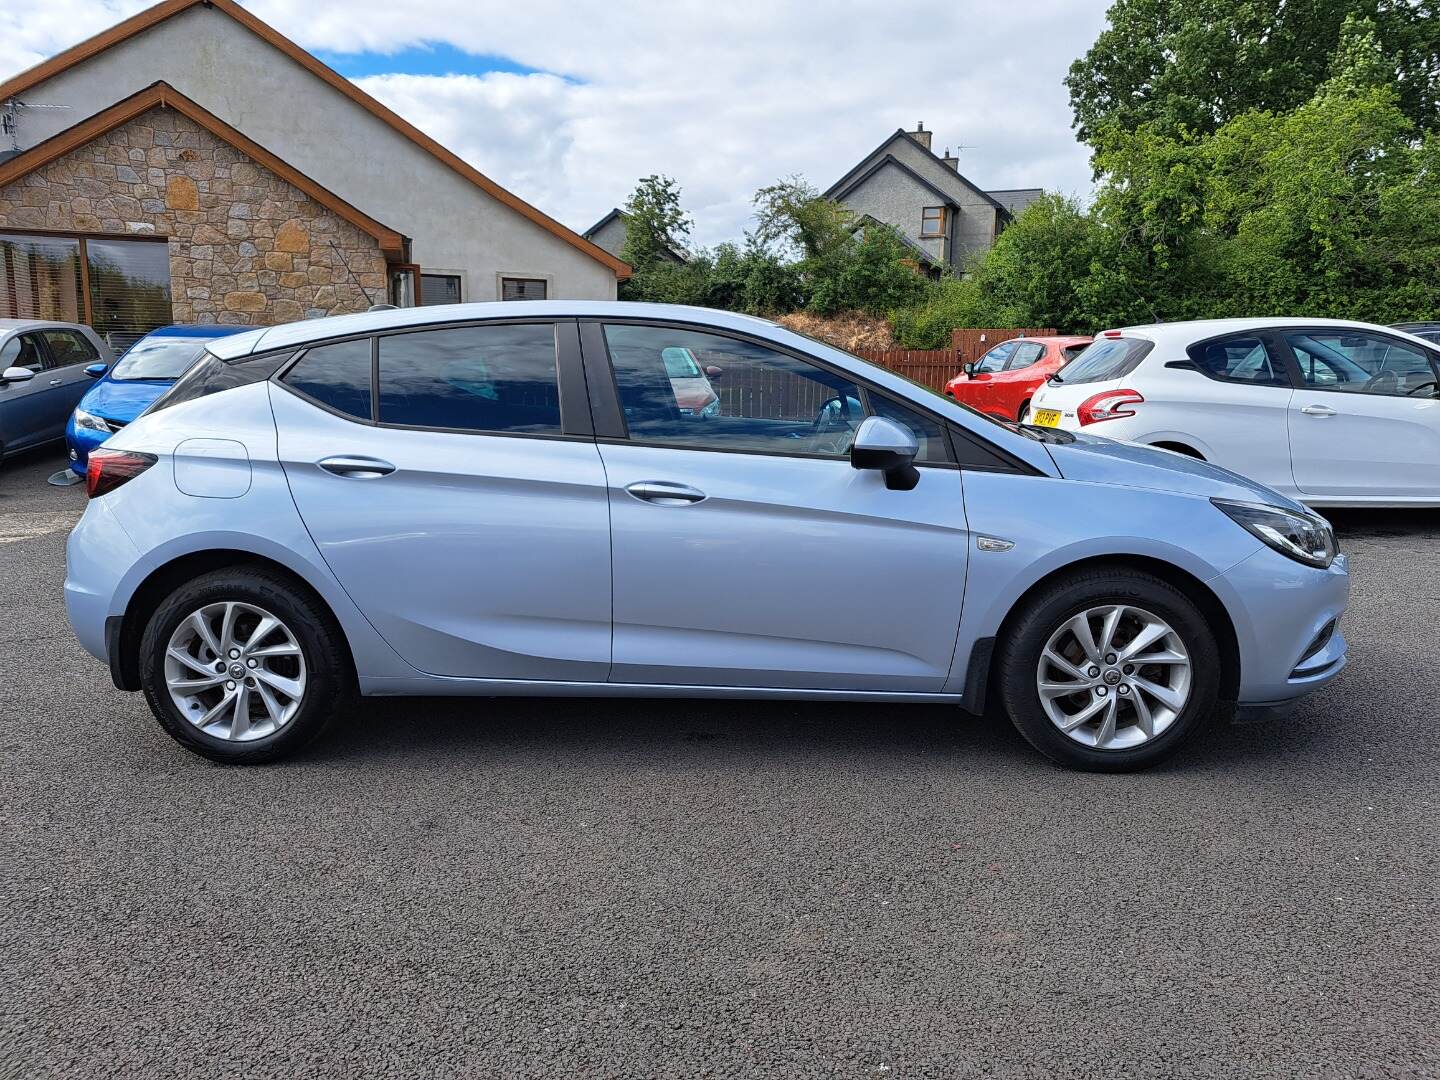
[(1109, 670), (242, 667)]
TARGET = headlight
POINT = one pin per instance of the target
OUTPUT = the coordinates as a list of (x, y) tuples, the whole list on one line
[(1306, 538), (91, 422)]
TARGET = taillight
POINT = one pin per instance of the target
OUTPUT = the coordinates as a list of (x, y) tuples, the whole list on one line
[(106, 470), (1107, 406)]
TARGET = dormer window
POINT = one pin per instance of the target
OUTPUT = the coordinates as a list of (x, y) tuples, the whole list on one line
[(932, 221)]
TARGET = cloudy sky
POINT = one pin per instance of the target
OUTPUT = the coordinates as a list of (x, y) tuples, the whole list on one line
[(567, 104)]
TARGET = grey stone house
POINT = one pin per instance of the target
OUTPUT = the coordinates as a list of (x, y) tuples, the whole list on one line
[(191, 164), (610, 233), (943, 217)]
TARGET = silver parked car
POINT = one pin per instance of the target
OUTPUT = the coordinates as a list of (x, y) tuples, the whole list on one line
[(499, 499), (42, 377)]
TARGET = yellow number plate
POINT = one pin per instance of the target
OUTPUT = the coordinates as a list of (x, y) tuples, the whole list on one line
[(1047, 417)]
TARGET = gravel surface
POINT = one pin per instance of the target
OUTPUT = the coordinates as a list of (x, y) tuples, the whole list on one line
[(547, 888)]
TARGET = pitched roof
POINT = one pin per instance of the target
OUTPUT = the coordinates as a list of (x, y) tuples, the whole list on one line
[(162, 95), (152, 16), (869, 220), (1017, 199), (865, 168)]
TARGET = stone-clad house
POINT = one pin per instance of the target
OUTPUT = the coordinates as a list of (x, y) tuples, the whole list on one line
[(193, 165), (943, 217)]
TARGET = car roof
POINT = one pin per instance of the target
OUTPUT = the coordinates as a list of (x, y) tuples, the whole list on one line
[(197, 330), (1180, 334), (369, 322)]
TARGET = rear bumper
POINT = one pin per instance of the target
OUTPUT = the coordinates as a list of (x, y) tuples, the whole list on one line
[(1283, 610), (97, 554)]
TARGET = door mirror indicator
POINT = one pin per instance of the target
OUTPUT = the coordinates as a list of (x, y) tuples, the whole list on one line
[(96, 370), (884, 445), (16, 374)]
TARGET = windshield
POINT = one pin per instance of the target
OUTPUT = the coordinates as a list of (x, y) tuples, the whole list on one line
[(1106, 359), (158, 358), (679, 364)]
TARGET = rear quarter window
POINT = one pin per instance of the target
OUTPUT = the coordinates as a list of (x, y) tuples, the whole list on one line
[(1107, 359)]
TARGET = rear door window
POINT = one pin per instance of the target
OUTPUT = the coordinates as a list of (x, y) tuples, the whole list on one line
[(472, 378), (337, 376), (1107, 359), (1025, 354), (1243, 359)]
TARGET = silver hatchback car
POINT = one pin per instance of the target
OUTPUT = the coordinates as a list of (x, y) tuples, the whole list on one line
[(509, 499)]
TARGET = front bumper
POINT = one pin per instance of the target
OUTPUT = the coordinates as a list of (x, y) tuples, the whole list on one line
[(1282, 610), (79, 442)]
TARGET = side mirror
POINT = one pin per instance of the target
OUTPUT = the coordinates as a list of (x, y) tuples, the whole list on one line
[(713, 372), (886, 446), (16, 374), (970, 369), (96, 370)]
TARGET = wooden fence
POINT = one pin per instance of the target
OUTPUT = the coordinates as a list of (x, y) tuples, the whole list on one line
[(936, 367)]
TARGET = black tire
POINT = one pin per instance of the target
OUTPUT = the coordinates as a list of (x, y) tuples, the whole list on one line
[(330, 688), (1024, 408), (1018, 660)]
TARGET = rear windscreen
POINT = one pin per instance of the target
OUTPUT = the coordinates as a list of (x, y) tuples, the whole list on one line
[(1106, 359)]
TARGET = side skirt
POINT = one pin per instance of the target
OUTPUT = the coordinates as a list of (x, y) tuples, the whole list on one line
[(442, 686)]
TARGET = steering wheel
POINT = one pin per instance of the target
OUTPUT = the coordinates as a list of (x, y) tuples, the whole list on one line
[(1432, 384), (1387, 382), (832, 418)]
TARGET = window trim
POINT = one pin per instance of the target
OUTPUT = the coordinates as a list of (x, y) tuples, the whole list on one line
[(1275, 341), (925, 220), (605, 398), (575, 422)]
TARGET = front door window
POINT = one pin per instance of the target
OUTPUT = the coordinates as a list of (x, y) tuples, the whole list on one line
[(1359, 362)]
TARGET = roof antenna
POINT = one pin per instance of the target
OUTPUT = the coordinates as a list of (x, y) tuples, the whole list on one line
[(373, 305)]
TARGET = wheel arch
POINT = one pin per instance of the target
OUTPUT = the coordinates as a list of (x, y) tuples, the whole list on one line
[(1192, 587), (1178, 447), (166, 578)]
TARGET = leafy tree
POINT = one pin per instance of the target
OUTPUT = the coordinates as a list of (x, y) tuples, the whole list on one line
[(793, 217), (655, 223), (874, 272), (1195, 65)]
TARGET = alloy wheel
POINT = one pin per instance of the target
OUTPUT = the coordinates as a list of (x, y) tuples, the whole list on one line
[(1114, 677), (235, 671)]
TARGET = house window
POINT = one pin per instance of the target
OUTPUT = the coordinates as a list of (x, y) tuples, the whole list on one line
[(439, 289), (932, 221), (515, 288), (120, 287)]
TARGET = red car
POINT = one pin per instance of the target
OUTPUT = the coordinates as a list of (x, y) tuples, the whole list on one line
[(1002, 381)]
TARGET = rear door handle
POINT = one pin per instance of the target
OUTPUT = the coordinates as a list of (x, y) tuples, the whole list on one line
[(664, 493), (1318, 410), (356, 468)]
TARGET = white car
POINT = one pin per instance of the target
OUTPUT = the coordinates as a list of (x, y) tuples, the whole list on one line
[(1331, 413)]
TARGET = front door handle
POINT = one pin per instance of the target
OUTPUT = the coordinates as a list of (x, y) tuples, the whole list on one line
[(356, 468), (1318, 410), (56, 382), (664, 493)]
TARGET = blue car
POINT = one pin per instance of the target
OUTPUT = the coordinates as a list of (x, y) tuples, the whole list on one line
[(508, 499), (126, 388)]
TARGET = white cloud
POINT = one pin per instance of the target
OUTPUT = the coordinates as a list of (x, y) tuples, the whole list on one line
[(723, 96)]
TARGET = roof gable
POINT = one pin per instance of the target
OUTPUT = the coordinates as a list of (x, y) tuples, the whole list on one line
[(162, 95), (870, 163), (138, 24)]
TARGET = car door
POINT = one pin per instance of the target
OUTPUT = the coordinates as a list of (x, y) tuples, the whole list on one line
[(747, 552), (70, 353), (1011, 387), (1365, 418), (1236, 412), (458, 495), (34, 411), (982, 378)]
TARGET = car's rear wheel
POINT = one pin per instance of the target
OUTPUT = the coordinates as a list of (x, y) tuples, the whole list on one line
[(1109, 670), (243, 667)]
